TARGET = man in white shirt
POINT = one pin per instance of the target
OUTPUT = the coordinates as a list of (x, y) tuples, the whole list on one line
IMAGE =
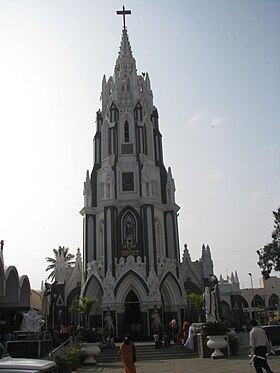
[(259, 344)]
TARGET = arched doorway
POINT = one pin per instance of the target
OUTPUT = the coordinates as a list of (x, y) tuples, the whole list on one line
[(132, 315)]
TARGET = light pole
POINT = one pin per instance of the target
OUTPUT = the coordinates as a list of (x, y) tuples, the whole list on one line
[(254, 305)]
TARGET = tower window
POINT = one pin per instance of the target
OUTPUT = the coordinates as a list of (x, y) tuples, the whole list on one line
[(138, 114), (128, 182), (114, 113), (126, 132)]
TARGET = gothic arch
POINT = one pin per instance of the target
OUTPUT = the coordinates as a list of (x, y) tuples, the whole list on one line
[(226, 310), (131, 281), (191, 287), (93, 289), (170, 290), (244, 302), (129, 119), (138, 112), (126, 215), (73, 295), (273, 300), (25, 292), (257, 301), (129, 229), (105, 140), (12, 285), (114, 113)]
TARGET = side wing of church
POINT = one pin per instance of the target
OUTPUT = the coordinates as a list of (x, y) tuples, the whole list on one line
[(131, 244)]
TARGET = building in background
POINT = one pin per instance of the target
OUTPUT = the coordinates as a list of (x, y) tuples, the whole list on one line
[(15, 295), (263, 303)]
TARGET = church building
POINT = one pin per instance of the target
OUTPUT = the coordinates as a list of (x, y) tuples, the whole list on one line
[(131, 254)]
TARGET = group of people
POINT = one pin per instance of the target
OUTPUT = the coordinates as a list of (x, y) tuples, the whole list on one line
[(161, 341), (186, 336), (259, 345), (63, 332)]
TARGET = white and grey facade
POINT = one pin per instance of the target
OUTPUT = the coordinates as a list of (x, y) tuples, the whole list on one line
[(131, 253)]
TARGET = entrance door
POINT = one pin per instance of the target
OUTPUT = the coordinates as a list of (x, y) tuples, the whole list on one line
[(132, 315)]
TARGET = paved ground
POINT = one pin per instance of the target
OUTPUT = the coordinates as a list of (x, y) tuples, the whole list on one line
[(239, 364)]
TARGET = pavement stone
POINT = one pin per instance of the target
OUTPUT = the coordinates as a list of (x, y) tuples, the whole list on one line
[(236, 364)]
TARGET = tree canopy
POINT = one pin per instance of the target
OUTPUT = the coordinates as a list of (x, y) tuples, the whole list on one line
[(269, 255), (85, 305), (196, 300), (62, 251)]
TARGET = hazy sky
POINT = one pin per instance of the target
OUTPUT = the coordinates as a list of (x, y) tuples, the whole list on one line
[(215, 74)]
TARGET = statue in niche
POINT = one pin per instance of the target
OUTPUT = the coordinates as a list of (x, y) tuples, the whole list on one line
[(31, 321), (129, 230)]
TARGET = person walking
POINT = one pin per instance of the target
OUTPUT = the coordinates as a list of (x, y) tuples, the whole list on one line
[(189, 344), (128, 355), (259, 346)]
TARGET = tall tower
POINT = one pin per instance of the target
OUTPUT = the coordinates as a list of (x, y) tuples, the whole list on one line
[(131, 245)]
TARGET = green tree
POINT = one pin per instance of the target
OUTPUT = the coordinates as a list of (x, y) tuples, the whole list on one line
[(269, 255), (196, 301), (85, 305), (62, 251)]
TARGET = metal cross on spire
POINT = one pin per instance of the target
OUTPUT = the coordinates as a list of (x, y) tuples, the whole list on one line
[(123, 13)]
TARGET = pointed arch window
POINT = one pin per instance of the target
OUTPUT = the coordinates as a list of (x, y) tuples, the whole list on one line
[(129, 229), (145, 151), (128, 85), (158, 237), (126, 131), (114, 113), (101, 239), (138, 113)]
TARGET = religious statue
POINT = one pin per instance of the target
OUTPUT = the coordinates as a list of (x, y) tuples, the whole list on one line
[(109, 326), (31, 321), (156, 322), (210, 304)]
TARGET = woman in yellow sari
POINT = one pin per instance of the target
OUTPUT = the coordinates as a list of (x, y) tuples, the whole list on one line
[(127, 352)]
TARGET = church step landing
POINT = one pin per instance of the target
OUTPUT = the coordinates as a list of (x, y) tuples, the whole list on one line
[(148, 352)]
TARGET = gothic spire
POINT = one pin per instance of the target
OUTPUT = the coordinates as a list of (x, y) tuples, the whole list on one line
[(125, 61)]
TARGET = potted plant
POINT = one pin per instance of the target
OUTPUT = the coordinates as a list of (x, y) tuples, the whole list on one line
[(215, 328), (216, 332)]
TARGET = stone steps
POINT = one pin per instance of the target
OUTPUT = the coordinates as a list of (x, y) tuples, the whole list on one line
[(147, 352)]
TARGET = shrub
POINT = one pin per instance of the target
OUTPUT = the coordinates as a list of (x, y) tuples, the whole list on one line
[(63, 364), (215, 328), (233, 342), (71, 360)]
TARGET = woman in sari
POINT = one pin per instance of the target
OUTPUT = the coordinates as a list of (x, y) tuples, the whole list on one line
[(127, 352)]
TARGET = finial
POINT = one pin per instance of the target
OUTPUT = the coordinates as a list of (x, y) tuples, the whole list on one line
[(123, 13)]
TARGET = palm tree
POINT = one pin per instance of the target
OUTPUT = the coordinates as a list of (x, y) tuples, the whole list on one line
[(85, 305), (61, 252), (196, 300)]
